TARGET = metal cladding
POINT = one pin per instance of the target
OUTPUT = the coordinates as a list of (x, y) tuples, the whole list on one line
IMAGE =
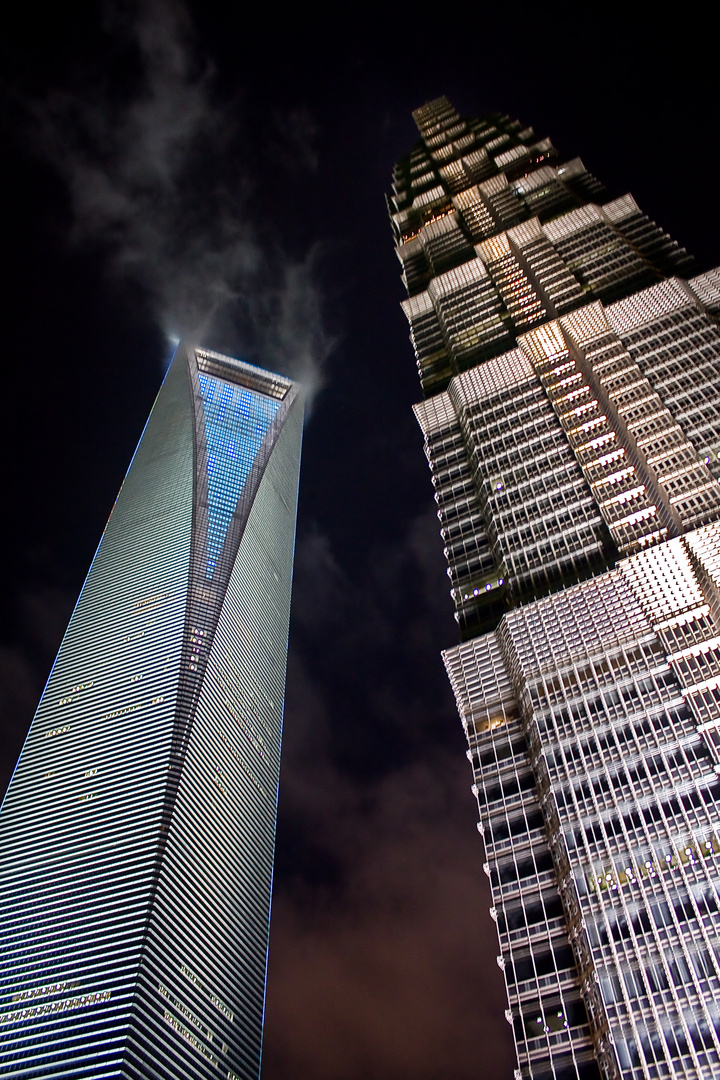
[(137, 834), (571, 366)]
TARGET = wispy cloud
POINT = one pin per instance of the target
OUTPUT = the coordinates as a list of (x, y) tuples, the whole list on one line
[(154, 165)]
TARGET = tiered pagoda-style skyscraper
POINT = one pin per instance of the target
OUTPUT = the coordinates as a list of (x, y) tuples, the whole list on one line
[(571, 365), (137, 834)]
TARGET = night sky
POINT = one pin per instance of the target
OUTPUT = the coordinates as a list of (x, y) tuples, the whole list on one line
[(219, 172)]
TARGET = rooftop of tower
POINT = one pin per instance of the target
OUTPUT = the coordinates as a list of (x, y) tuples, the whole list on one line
[(481, 207), (242, 373)]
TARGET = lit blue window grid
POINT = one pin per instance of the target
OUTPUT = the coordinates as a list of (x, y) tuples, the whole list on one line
[(236, 422)]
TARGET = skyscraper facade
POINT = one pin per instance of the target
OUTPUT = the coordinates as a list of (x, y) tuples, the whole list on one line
[(137, 834), (569, 354)]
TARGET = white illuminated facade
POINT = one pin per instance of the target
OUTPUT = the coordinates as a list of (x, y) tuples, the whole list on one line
[(137, 834), (571, 365)]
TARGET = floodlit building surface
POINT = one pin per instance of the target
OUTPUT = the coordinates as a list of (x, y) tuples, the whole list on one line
[(137, 834), (570, 356)]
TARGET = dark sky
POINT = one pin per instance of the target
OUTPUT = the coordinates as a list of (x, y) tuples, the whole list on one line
[(221, 171)]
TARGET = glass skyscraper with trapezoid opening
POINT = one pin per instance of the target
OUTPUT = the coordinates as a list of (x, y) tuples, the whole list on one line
[(137, 833), (569, 353)]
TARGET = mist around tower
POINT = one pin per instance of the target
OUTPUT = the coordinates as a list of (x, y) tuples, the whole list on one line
[(162, 178)]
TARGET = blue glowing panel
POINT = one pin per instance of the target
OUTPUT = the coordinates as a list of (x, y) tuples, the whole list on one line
[(236, 422)]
